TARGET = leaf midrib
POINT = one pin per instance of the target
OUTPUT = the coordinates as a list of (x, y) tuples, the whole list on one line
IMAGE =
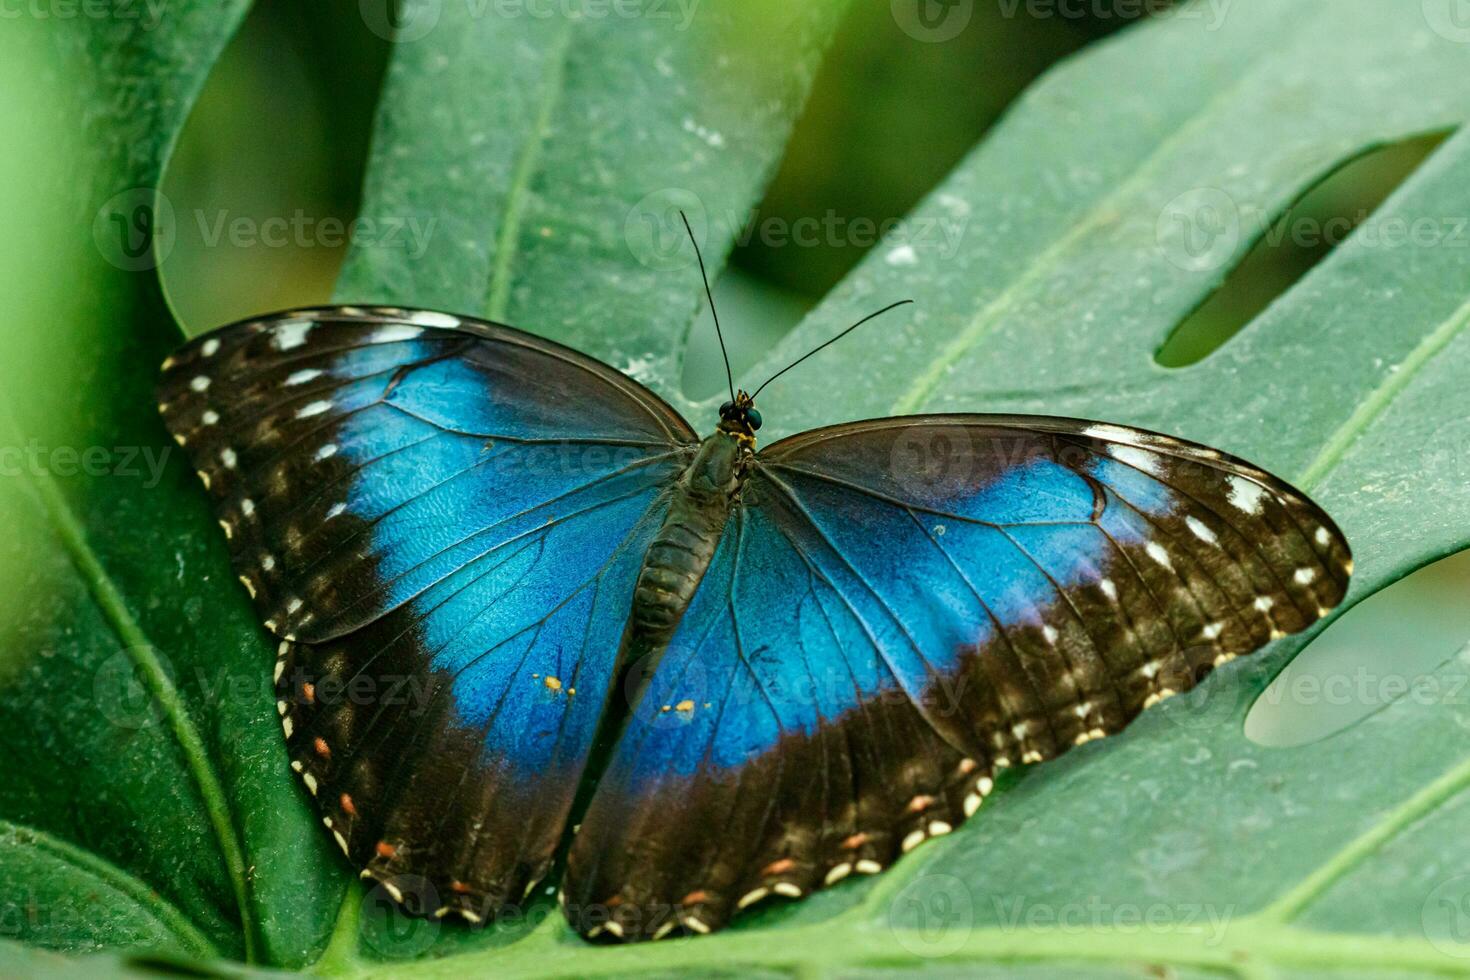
[(528, 162), (114, 608)]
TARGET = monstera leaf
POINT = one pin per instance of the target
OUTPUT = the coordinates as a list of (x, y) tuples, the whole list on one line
[(147, 805)]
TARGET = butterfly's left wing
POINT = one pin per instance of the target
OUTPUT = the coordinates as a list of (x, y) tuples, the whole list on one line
[(901, 608), (442, 520)]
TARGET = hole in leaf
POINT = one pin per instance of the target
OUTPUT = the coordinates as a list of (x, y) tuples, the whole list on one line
[(1311, 228), (267, 171), (1393, 646)]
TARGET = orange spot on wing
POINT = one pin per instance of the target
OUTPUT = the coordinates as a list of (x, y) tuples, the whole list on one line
[(308, 691), (322, 748), (778, 867), (347, 806), (855, 841), (695, 897), (385, 849), (920, 802)]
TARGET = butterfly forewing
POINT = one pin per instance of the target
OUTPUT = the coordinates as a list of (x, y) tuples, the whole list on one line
[(442, 520), (902, 608)]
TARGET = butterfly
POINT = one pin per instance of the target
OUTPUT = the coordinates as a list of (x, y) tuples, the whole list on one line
[(513, 590)]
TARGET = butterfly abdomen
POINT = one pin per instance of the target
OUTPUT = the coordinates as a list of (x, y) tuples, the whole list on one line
[(682, 549)]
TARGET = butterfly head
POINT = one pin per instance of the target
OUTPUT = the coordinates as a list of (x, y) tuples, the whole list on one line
[(740, 419)]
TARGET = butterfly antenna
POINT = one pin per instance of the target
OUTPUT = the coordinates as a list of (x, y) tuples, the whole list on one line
[(729, 377), (870, 316)]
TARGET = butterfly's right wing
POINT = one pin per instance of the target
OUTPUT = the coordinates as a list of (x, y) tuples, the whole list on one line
[(442, 520), (899, 609)]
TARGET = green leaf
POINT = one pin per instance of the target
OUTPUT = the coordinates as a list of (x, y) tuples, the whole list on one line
[(139, 781), (544, 160), (1086, 228)]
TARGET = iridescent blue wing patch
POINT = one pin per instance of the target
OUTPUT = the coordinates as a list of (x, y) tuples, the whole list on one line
[(442, 521), (901, 608)]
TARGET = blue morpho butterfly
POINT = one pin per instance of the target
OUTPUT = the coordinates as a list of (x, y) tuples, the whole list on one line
[(500, 570)]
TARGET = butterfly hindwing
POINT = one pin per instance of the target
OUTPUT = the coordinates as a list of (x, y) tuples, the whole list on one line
[(442, 520), (901, 608)]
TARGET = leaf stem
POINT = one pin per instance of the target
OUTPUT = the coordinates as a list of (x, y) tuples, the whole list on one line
[(341, 955)]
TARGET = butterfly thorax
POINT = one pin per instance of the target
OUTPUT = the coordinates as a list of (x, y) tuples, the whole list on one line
[(681, 551)]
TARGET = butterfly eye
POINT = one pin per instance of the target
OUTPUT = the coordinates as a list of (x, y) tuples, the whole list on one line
[(753, 417), (726, 409)]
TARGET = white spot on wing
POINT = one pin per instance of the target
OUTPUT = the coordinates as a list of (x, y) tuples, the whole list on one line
[(428, 318), (1138, 458), (397, 332), (292, 334), (1247, 496), (1158, 554), (210, 347), (1200, 530), (303, 376), (1111, 433), (315, 408)]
